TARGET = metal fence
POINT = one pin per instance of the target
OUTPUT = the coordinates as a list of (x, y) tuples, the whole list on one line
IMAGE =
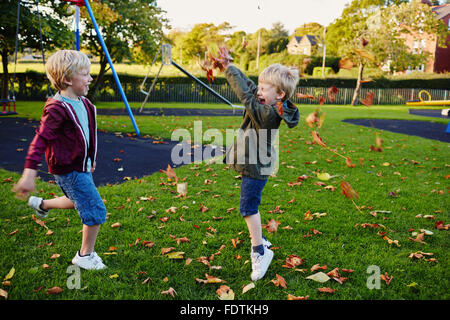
[(31, 89), (195, 93), (380, 97)]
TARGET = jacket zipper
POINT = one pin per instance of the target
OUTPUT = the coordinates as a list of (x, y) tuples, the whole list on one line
[(95, 129), (82, 133)]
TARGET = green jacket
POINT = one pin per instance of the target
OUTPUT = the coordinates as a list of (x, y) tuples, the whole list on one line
[(253, 153)]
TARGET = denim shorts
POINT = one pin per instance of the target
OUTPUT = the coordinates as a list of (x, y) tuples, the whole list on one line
[(80, 188), (251, 191)]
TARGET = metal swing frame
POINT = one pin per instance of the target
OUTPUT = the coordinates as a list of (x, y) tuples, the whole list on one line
[(85, 3), (12, 93), (166, 59)]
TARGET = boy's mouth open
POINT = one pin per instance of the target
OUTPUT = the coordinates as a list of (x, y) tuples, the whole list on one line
[(261, 100)]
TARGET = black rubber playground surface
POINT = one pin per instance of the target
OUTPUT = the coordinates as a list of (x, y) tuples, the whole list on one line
[(424, 129), (427, 113), (138, 156)]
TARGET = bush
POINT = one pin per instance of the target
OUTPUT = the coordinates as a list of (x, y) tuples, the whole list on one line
[(317, 72), (330, 61)]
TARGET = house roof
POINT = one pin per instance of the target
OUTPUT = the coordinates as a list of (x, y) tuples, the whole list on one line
[(312, 39), (442, 10)]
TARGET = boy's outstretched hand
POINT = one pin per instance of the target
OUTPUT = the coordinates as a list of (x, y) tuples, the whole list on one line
[(224, 59), (221, 62), (26, 184)]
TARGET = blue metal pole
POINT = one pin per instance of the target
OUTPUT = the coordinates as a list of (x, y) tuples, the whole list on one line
[(105, 50), (77, 26)]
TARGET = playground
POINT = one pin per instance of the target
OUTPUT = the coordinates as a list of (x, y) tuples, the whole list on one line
[(159, 243)]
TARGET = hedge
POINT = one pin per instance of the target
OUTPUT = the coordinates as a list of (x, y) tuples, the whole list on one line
[(32, 85)]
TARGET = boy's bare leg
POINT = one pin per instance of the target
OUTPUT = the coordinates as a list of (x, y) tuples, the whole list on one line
[(57, 203), (254, 227), (89, 236)]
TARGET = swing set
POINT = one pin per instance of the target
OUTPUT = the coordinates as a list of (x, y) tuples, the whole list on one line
[(166, 60), (78, 3), (12, 95)]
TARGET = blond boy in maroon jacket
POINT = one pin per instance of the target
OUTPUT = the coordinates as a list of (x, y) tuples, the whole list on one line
[(68, 137)]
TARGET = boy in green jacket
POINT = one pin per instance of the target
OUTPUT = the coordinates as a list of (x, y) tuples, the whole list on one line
[(253, 154)]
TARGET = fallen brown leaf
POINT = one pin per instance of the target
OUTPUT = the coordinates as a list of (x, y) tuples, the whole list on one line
[(170, 291), (279, 281)]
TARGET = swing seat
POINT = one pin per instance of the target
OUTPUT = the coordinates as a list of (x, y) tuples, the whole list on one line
[(5, 103)]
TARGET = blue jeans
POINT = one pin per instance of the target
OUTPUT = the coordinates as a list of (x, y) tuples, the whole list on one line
[(251, 191), (80, 188)]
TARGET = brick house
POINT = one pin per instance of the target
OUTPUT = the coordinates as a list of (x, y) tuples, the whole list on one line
[(303, 45), (439, 61), (442, 55)]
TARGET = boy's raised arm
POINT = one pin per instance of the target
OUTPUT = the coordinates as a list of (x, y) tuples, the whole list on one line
[(246, 90)]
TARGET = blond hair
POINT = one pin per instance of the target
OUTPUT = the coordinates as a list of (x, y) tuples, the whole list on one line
[(283, 78), (63, 64)]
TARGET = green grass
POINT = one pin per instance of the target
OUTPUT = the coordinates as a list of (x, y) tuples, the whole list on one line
[(417, 169)]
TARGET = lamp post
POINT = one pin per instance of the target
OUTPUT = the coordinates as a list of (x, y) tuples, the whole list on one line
[(257, 51), (324, 52), (259, 41)]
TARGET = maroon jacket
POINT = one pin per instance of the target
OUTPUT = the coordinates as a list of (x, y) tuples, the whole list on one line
[(61, 137)]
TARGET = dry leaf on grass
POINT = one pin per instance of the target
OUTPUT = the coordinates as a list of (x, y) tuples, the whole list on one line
[(54, 290), (10, 274), (210, 279), (419, 238), (386, 278), (175, 255), (329, 290), (248, 287), (291, 297), (279, 281), (272, 225), (319, 277), (170, 173), (318, 267), (170, 291), (225, 293), (293, 261)]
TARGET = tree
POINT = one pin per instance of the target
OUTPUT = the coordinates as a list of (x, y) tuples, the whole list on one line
[(131, 30), (312, 28), (414, 19), (54, 31), (201, 37), (175, 38), (237, 43), (279, 38), (371, 32)]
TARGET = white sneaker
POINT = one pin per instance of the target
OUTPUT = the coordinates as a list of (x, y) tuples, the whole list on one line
[(266, 243), (89, 262), (260, 263), (97, 256), (35, 203)]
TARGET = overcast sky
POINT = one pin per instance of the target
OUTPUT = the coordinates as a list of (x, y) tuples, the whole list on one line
[(245, 15)]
